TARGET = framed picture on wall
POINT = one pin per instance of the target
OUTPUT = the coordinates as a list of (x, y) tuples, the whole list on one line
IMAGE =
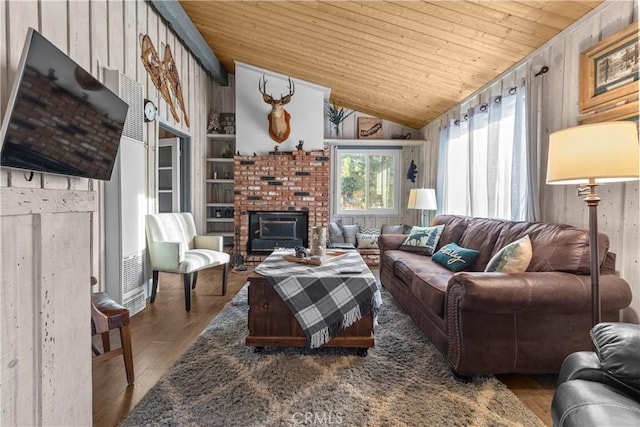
[(369, 128), (609, 71), (627, 111)]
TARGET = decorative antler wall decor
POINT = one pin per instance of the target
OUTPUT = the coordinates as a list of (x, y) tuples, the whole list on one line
[(279, 118), (164, 75)]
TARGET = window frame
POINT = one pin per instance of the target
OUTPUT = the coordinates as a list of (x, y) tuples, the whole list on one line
[(396, 153)]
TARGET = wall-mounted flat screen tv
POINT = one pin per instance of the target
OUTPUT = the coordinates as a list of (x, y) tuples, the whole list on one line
[(60, 119)]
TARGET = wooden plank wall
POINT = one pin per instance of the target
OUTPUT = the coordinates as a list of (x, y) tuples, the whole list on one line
[(554, 100), (48, 254)]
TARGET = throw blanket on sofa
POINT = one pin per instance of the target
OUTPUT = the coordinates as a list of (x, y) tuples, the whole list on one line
[(323, 300)]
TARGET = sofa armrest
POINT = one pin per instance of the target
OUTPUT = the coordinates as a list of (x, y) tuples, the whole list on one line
[(387, 242), (548, 292), (166, 256), (214, 243)]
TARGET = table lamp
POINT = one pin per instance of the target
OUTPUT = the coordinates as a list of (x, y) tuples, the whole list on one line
[(423, 199), (591, 155)]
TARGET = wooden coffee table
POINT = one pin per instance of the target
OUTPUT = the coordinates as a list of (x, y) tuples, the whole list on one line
[(271, 323)]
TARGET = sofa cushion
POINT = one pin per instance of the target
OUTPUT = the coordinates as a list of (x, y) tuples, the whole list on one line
[(341, 246), (405, 264), (556, 247), (393, 229), (349, 233), (481, 235), (335, 233), (429, 285), (454, 257), (367, 241), (454, 227), (422, 240), (513, 258), (404, 272)]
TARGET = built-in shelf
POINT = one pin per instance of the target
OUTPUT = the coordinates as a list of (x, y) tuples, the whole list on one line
[(223, 234), (219, 205), (376, 142), (219, 179), (220, 159), (219, 220), (221, 136)]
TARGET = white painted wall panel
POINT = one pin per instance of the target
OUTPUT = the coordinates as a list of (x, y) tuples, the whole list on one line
[(306, 109), (18, 295)]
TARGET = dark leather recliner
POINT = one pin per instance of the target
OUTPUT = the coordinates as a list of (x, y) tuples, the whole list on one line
[(601, 388)]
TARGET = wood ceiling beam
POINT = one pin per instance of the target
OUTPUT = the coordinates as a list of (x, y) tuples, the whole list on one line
[(182, 25)]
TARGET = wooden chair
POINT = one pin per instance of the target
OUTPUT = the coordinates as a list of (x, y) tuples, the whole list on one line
[(106, 314)]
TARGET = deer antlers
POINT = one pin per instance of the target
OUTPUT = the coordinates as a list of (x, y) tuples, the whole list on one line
[(284, 100)]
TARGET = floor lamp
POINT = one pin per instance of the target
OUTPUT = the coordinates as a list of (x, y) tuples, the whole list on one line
[(591, 155), (423, 199)]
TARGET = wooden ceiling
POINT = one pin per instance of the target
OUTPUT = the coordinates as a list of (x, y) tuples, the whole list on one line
[(404, 61)]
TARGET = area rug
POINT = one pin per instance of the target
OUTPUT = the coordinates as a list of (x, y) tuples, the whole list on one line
[(404, 380)]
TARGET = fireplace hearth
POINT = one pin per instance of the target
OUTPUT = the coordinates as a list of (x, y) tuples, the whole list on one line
[(271, 229)]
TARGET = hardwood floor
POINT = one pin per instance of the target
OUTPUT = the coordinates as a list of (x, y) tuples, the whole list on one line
[(164, 330)]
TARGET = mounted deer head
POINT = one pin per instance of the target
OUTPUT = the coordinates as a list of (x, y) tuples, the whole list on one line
[(279, 118)]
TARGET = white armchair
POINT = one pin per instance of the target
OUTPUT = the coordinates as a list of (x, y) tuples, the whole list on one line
[(174, 247)]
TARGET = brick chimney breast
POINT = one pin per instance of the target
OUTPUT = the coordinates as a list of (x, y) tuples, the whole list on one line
[(280, 183)]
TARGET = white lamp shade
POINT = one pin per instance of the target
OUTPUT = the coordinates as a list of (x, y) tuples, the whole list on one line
[(605, 152), (422, 198)]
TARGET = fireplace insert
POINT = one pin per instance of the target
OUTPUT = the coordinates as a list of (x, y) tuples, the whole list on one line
[(270, 229)]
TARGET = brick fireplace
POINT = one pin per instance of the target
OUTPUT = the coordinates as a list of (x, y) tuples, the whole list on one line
[(283, 182)]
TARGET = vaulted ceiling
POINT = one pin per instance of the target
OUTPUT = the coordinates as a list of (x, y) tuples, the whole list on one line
[(404, 61)]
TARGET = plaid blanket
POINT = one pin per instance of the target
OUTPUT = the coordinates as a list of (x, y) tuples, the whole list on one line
[(323, 300)]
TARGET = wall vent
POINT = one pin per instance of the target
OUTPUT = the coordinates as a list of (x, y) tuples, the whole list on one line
[(132, 272), (136, 303), (131, 92)]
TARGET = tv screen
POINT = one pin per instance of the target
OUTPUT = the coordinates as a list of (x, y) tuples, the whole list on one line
[(60, 119)]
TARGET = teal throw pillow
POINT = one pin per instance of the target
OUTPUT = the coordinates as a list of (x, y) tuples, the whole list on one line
[(513, 258), (422, 240), (454, 257)]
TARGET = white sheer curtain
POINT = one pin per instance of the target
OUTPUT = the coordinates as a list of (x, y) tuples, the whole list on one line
[(483, 165)]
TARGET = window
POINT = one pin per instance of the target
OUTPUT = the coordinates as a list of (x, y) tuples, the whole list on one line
[(367, 181)]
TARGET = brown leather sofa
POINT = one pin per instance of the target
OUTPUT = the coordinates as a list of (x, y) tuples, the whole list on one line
[(491, 323)]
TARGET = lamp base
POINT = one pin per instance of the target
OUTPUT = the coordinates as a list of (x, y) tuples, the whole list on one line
[(592, 200)]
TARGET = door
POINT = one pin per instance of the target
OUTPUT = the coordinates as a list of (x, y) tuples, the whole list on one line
[(168, 178)]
